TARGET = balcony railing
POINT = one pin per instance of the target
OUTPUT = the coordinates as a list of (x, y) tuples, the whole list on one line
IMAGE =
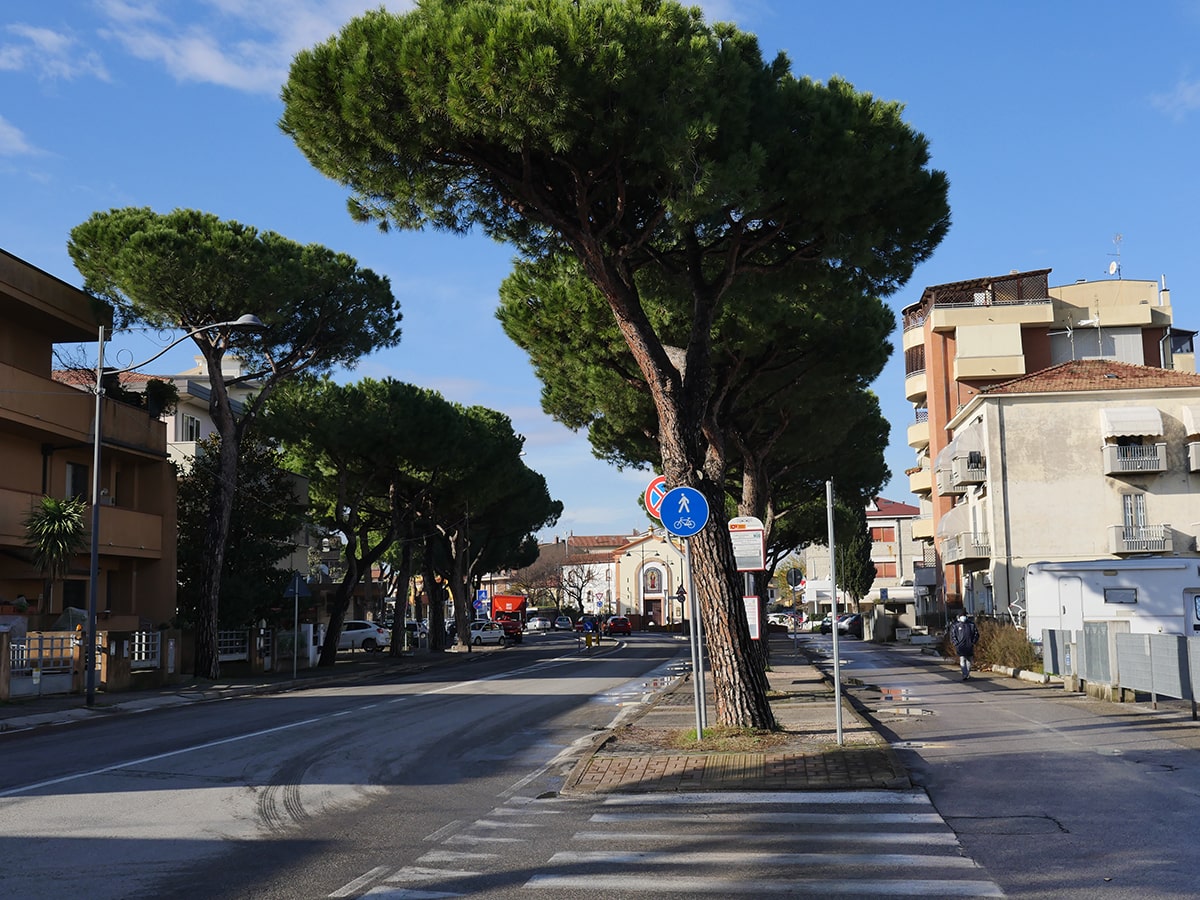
[(1123, 459), (946, 484), (968, 469), (966, 546), (1140, 539)]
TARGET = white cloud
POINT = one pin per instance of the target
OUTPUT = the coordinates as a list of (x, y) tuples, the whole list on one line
[(51, 55), (12, 141), (1185, 98), (247, 45)]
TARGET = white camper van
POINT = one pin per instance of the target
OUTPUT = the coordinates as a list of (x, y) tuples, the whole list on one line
[(1155, 595)]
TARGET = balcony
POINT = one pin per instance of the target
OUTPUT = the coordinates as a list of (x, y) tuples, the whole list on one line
[(966, 546), (968, 468), (967, 368), (920, 480), (922, 528), (1140, 539), (916, 387), (1133, 459), (918, 435), (982, 310), (946, 485)]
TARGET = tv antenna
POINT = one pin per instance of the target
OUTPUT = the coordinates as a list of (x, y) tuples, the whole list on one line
[(1114, 267)]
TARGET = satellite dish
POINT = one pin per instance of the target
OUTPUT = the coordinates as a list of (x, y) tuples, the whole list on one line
[(1112, 267)]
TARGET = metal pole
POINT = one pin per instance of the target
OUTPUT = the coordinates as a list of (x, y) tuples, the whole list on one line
[(89, 651), (837, 658), (693, 625), (295, 623)]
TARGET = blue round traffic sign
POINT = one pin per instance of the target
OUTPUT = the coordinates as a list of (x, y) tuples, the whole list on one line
[(684, 511)]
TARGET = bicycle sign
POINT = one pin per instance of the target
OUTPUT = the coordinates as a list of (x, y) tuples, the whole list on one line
[(684, 511)]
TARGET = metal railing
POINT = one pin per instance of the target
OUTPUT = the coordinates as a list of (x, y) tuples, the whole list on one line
[(145, 651), (1140, 539), (1120, 458), (233, 646)]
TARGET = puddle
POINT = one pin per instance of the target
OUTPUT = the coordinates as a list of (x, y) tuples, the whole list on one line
[(904, 711), (893, 694)]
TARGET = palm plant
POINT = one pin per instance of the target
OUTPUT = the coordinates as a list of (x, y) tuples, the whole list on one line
[(55, 531)]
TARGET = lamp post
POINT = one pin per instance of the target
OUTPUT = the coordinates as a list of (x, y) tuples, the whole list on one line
[(89, 654)]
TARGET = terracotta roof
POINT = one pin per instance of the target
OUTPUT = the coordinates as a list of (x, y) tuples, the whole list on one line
[(87, 377), (1095, 375), (883, 507), (596, 541)]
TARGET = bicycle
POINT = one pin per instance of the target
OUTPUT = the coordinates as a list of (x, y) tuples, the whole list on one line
[(684, 522)]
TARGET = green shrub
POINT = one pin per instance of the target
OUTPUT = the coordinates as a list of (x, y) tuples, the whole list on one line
[(1000, 644)]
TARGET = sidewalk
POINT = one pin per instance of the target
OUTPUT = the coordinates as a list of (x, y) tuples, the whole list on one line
[(632, 758)]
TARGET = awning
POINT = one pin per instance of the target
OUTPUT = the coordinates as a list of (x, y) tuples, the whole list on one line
[(1191, 420), (956, 521), (1130, 421)]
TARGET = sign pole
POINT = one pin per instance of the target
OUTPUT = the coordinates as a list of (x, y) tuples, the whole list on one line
[(837, 656), (694, 633)]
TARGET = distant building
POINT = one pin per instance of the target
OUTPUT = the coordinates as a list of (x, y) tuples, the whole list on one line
[(895, 553)]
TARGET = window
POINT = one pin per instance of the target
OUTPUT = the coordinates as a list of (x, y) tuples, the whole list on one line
[(883, 534), (1135, 513), (885, 570), (191, 428), (1120, 595), (77, 480)]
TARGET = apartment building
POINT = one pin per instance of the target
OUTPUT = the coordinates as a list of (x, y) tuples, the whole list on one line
[(897, 555), (1091, 459), (47, 445), (980, 345)]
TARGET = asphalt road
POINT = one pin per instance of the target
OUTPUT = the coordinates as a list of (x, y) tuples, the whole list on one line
[(298, 795)]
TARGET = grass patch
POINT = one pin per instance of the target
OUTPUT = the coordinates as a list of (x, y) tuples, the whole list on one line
[(727, 739)]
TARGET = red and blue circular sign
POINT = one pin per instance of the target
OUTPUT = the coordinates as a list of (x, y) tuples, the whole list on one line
[(655, 491)]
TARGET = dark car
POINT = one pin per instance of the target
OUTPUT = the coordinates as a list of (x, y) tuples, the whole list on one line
[(618, 625)]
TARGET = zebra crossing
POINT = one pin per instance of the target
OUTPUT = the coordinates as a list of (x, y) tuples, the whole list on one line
[(812, 844)]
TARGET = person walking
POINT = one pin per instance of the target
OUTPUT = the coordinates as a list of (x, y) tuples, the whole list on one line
[(964, 636)]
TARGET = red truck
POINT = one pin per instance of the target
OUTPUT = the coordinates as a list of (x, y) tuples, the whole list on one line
[(509, 611)]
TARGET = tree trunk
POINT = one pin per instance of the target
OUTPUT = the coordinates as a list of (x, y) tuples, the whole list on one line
[(739, 682), (216, 533)]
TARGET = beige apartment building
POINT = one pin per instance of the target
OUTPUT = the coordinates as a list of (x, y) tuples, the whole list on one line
[(47, 447), (1091, 459), (963, 340)]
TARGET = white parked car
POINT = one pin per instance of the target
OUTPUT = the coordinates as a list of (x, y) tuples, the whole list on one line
[(539, 624), (359, 635), (484, 632)]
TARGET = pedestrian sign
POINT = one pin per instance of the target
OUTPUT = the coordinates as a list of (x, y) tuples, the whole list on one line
[(684, 511)]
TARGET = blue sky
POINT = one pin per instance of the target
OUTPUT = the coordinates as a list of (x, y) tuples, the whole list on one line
[(1060, 125)]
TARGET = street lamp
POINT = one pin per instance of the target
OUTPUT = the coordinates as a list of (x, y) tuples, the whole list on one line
[(89, 655)]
